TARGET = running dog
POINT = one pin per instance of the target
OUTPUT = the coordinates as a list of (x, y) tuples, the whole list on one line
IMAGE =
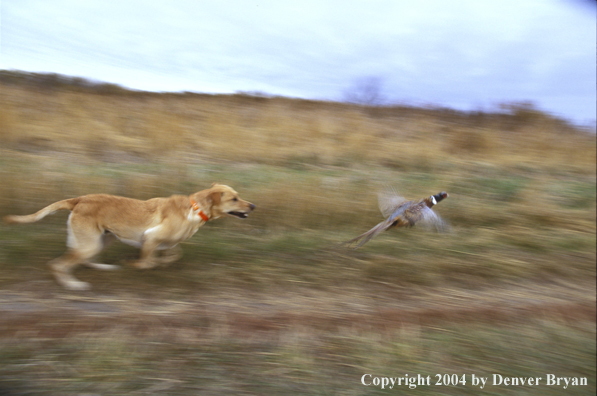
[(155, 224)]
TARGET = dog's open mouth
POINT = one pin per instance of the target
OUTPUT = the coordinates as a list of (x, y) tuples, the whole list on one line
[(240, 215)]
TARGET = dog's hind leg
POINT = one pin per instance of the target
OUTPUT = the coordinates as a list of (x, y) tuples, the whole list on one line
[(62, 268), (107, 239), (84, 242)]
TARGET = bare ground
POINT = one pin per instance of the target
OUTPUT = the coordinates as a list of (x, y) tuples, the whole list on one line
[(52, 313)]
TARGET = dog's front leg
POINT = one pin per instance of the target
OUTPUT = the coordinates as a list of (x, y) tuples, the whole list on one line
[(170, 255), (147, 258)]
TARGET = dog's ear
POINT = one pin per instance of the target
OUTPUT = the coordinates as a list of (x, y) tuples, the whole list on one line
[(215, 197)]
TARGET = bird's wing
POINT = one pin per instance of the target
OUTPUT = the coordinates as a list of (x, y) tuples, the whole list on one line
[(389, 201), (430, 220)]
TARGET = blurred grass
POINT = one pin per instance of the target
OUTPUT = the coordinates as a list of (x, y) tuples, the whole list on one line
[(521, 209), (302, 215), (300, 362)]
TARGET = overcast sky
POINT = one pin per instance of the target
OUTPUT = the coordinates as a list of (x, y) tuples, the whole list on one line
[(465, 54)]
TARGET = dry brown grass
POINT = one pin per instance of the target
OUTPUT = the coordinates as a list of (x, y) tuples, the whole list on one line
[(279, 131), (309, 165), (268, 305)]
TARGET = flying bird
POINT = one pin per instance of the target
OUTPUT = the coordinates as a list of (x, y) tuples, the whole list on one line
[(402, 213)]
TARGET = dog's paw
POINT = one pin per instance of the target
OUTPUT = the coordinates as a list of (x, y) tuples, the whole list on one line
[(77, 285), (104, 267), (145, 264)]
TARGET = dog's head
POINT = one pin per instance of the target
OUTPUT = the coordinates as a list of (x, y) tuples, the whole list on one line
[(223, 200)]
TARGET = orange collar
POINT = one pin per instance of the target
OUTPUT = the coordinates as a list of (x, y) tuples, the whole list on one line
[(200, 212)]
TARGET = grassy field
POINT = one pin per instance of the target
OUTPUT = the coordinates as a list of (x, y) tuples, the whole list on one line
[(271, 305)]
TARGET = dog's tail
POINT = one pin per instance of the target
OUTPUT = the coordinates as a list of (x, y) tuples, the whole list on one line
[(67, 204)]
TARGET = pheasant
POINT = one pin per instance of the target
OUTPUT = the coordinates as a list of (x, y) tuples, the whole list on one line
[(402, 213)]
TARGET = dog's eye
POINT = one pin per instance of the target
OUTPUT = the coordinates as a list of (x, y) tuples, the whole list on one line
[(235, 199)]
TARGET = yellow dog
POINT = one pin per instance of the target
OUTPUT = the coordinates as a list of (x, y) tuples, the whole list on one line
[(155, 224)]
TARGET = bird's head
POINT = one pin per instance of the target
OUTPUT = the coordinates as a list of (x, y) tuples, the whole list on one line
[(438, 197)]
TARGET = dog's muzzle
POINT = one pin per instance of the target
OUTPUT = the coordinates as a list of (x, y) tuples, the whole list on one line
[(242, 215)]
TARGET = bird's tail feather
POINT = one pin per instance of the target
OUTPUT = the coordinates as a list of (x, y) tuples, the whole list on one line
[(367, 236)]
